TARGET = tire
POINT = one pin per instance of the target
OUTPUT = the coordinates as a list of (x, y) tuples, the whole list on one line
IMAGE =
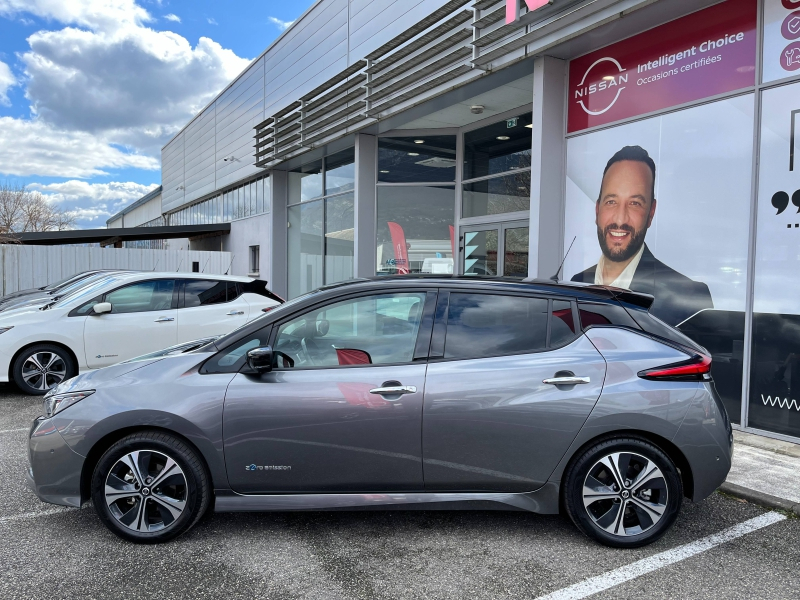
[(42, 367), (636, 512), (150, 512)]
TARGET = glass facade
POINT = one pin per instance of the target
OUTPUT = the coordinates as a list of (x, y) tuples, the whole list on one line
[(321, 225), (248, 200)]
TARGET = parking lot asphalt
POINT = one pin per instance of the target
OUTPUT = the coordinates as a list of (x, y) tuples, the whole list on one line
[(49, 552)]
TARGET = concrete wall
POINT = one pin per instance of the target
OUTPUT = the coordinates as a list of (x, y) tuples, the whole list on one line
[(329, 37), (253, 231), (25, 267)]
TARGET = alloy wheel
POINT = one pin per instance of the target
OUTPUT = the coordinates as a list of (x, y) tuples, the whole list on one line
[(625, 494), (146, 491), (44, 370)]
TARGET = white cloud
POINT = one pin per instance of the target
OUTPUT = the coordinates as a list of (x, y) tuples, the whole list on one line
[(171, 17), (282, 25), (75, 190), (110, 74), (212, 21), (7, 80), (32, 147)]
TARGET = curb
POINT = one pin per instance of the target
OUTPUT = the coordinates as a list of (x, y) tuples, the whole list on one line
[(760, 498)]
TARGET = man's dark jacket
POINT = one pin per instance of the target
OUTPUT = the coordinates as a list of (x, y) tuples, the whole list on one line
[(677, 296)]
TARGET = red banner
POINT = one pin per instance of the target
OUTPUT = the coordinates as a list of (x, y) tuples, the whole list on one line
[(710, 52), (400, 248)]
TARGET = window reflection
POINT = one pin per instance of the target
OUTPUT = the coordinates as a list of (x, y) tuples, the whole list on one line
[(510, 193), (425, 159), (498, 148)]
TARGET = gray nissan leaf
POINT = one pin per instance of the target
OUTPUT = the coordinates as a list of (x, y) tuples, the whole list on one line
[(434, 392)]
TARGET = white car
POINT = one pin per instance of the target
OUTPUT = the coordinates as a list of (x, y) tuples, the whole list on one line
[(122, 316)]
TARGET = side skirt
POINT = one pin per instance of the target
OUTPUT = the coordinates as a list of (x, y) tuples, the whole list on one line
[(542, 501)]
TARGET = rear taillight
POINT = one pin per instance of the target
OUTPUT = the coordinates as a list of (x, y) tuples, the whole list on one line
[(694, 369)]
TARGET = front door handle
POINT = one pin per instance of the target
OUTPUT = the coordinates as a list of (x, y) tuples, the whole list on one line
[(394, 390), (234, 313), (567, 380), (164, 319)]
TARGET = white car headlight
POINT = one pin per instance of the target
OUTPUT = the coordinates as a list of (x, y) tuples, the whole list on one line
[(55, 403)]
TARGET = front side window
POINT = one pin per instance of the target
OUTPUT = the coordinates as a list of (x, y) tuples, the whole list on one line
[(233, 358), (373, 330), (142, 297)]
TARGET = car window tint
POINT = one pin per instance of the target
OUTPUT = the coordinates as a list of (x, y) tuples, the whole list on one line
[(604, 314), (233, 290), (142, 297), (562, 325), (361, 331), (483, 325), (203, 292)]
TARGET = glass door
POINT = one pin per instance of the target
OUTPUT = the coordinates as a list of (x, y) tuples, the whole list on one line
[(496, 250)]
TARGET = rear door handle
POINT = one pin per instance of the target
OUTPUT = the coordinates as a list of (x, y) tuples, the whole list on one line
[(567, 380), (164, 319), (234, 313), (394, 390)]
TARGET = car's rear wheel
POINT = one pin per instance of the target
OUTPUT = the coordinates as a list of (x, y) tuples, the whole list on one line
[(150, 487), (623, 492), (42, 367)]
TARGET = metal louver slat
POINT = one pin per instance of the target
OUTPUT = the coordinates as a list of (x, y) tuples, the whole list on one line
[(460, 36), (288, 127), (287, 110), (342, 126), (460, 54), (423, 41), (428, 85), (351, 70), (313, 126), (482, 4), (421, 26), (326, 99), (264, 123), (496, 35), (490, 19)]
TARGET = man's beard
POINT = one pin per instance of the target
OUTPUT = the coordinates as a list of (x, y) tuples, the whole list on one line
[(636, 243)]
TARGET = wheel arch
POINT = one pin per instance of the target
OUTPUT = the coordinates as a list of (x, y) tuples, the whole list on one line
[(670, 449), (73, 355), (103, 444)]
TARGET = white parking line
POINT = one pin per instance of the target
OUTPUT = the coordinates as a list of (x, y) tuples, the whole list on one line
[(613, 578), (14, 430), (33, 515)]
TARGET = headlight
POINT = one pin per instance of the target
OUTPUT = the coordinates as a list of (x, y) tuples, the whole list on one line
[(55, 403), (4, 329)]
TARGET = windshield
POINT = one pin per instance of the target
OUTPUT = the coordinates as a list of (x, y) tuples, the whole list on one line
[(59, 283), (88, 291), (79, 284)]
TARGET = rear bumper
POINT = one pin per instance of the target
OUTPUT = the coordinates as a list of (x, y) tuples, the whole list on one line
[(706, 439), (54, 473)]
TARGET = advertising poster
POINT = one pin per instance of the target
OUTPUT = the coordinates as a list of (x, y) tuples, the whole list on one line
[(682, 235), (781, 39), (704, 54), (775, 375)]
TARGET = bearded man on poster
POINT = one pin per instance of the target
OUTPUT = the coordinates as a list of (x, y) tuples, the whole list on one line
[(624, 212)]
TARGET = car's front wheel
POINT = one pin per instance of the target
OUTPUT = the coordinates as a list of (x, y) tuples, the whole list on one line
[(42, 367), (623, 492), (150, 487)]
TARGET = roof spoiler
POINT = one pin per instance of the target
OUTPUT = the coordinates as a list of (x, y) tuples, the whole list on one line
[(644, 301)]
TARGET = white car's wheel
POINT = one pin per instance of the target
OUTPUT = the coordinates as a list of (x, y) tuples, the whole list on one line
[(42, 367)]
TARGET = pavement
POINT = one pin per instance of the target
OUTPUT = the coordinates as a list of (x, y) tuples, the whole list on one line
[(722, 547), (765, 471)]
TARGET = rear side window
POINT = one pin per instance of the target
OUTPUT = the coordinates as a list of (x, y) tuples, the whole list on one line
[(484, 325), (655, 326), (204, 292), (604, 314)]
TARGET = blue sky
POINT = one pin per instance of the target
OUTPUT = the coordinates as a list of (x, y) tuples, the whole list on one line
[(91, 89)]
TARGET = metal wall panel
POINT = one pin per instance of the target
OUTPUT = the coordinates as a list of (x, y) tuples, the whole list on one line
[(172, 173), (142, 214)]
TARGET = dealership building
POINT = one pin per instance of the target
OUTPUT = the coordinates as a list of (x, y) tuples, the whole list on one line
[(490, 137)]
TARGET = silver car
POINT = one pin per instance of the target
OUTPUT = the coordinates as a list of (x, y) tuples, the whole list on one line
[(441, 392)]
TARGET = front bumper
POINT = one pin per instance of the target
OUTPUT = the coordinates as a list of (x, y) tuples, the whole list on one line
[(54, 473)]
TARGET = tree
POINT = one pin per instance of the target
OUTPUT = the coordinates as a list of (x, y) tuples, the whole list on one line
[(22, 210)]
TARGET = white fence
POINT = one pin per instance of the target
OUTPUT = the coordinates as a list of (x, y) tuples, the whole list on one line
[(24, 267)]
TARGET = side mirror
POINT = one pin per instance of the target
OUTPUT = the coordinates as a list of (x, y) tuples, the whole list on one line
[(102, 308), (260, 359)]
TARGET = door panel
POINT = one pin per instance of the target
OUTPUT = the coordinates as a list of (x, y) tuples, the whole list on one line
[(491, 424), (112, 338), (215, 319), (324, 431)]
